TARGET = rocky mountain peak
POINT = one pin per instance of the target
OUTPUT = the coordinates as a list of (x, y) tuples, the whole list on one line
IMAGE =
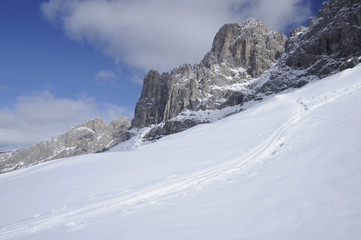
[(229, 33), (332, 42), (244, 52), (334, 32), (222, 41), (90, 137), (239, 53), (334, 6), (96, 125), (250, 45), (118, 125)]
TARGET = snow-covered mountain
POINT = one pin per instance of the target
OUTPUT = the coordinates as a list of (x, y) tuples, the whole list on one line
[(284, 164), (239, 54), (286, 168), (90, 137), (247, 63)]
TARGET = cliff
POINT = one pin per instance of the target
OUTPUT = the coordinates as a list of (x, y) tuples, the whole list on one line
[(248, 62), (239, 54)]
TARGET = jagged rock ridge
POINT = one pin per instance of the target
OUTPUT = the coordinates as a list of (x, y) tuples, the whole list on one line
[(330, 43), (91, 137), (239, 54), (247, 62)]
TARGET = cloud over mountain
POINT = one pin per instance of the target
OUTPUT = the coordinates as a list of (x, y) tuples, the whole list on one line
[(161, 34), (42, 116)]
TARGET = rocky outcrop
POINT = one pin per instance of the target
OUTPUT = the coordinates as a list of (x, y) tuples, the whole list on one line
[(335, 32), (239, 53), (247, 62), (331, 42), (250, 46), (91, 137)]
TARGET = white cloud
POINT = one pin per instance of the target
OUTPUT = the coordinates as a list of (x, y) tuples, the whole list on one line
[(162, 34), (42, 116), (45, 107), (105, 77)]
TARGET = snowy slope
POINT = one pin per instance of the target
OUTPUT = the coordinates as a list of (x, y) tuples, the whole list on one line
[(287, 168)]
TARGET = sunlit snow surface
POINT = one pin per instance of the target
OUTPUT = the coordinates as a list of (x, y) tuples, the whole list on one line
[(287, 168)]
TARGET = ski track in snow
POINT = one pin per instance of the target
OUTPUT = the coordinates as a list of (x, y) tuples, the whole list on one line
[(76, 215)]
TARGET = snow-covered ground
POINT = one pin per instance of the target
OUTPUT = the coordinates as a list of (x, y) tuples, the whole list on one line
[(287, 168)]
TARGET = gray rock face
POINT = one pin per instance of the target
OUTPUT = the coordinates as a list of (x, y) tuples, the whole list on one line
[(239, 54), (295, 32), (335, 32), (250, 46), (327, 46), (91, 137), (247, 62)]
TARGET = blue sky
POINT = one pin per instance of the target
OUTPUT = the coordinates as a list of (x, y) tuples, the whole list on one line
[(36, 56), (63, 62)]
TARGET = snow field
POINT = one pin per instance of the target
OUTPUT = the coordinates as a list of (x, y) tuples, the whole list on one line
[(287, 168)]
